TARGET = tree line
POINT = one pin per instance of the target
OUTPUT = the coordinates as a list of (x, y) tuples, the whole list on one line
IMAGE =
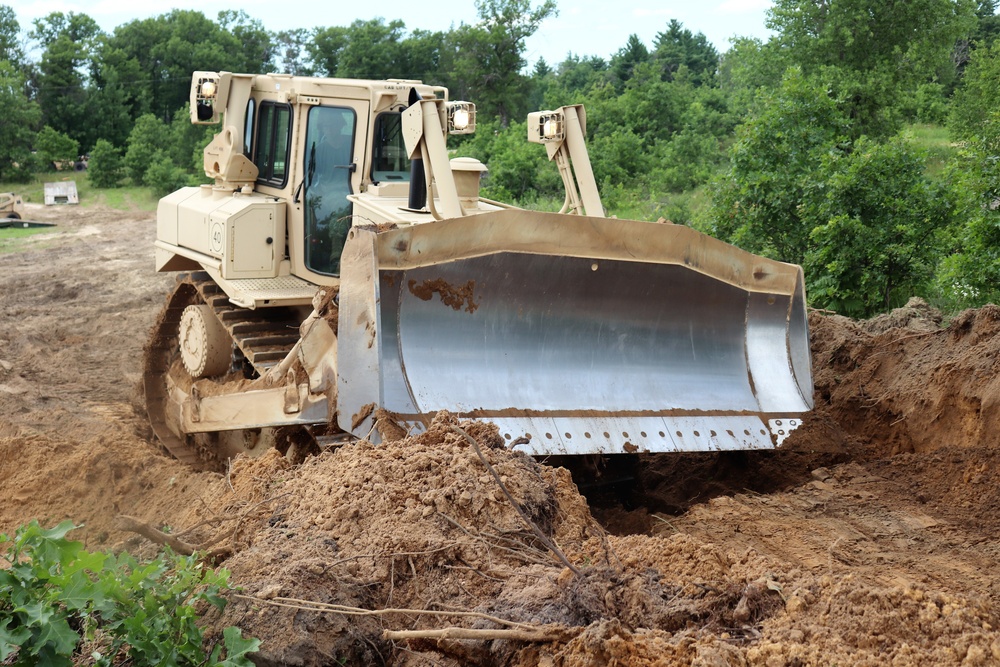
[(799, 147), (90, 85)]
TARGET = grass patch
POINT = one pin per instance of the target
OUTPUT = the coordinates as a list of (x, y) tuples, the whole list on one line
[(125, 199), (935, 141), (129, 198), (16, 239)]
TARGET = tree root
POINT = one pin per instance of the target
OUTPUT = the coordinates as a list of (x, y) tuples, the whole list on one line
[(152, 534), (556, 551), (541, 633)]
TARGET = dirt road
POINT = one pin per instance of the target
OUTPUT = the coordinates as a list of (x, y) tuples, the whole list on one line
[(870, 539)]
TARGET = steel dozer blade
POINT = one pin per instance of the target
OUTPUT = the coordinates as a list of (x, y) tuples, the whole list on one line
[(579, 334)]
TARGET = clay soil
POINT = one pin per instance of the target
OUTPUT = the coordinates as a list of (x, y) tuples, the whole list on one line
[(869, 538)]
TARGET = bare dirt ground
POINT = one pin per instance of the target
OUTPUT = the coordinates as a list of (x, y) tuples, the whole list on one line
[(870, 538)]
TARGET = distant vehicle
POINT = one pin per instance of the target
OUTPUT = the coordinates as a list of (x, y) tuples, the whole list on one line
[(11, 205), (79, 164)]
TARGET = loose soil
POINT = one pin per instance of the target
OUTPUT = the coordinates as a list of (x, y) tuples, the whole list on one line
[(869, 538)]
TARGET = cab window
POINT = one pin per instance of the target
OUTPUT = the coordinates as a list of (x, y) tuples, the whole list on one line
[(274, 126), (389, 160), (248, 128)]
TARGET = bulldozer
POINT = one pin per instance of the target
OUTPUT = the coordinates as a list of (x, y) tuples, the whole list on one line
[(343, 278), (11, 206)]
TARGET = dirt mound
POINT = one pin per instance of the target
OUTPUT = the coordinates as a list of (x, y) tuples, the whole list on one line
[(419, 525), (869, 538), (413, 524), (911, 389)]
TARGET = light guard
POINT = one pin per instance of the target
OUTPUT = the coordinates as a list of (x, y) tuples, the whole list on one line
[(461, 118), (546, 127)]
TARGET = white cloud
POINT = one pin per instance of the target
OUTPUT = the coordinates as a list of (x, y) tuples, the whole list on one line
[(743, 6), (642, 12)]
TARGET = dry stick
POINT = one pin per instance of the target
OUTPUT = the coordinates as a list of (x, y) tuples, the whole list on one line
[(540, 634), (152, 534), (476, 570), (308, 605), (528, 522), (391, 555), (523, 552), (214, 520), (242, 516), (916, 335)]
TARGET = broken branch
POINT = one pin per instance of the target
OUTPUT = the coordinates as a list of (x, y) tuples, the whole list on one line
[(152, 534)]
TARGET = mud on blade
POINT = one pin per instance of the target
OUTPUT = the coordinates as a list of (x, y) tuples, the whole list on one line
[(584, 335)]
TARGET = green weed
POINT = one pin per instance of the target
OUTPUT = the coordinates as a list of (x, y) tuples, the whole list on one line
[(935, 141), (56, 597)]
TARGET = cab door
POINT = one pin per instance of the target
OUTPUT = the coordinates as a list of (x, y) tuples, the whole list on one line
[(329, 165)]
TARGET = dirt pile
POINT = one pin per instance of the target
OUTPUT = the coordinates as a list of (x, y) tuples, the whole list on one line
[(414, 524), (870, 538), (910, 389)]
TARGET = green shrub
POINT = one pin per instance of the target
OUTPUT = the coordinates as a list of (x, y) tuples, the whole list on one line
[(931, 103), (688, 160), (106, 168), (55, 148), (163, 176), (149, 135), (54, 595), (875, 225)]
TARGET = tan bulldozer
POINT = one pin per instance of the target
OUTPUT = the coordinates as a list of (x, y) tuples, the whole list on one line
[(11, 206), (343, 278)]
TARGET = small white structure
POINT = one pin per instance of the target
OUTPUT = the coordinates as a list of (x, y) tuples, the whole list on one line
[(63, 192)]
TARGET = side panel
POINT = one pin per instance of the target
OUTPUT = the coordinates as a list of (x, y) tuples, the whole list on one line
[(245, 233)]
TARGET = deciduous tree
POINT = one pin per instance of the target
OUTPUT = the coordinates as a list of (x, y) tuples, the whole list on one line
[(775, 161), (147, 138), (292, 48), (490, 55), (106, 168), (55, 147), (870, 53), (258, 45), (17, 131), (875, 224), (971, 272), (68, 41), (11, 48)]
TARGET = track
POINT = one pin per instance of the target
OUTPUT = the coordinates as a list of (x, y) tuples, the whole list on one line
[(261, 338)]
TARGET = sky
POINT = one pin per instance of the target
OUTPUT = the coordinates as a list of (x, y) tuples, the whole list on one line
[(583, 27)]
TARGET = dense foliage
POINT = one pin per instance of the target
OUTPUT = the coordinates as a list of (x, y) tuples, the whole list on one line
[(799, 147), (57, 600)]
